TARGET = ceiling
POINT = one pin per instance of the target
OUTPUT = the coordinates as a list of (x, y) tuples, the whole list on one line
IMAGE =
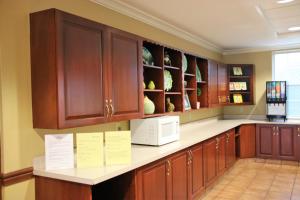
[(226, 25)]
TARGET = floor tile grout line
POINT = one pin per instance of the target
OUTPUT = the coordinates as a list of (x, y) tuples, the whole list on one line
[(294, 181), (251, 181), (271, 183), (278, 172)]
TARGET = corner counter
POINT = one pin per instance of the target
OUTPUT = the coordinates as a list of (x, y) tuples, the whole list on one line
[(190, 134)]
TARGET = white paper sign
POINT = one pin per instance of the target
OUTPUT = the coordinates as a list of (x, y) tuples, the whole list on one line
[(59, 151)]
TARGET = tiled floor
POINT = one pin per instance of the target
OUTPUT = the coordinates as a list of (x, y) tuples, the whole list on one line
[(257, 179)]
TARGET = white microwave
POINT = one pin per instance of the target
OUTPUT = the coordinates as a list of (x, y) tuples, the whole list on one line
[(155, 131)]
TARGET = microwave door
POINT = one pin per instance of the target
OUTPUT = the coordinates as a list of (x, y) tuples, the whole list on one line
[(167, 132)]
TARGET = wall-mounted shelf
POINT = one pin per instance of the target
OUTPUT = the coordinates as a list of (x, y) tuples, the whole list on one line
[(243, 76)]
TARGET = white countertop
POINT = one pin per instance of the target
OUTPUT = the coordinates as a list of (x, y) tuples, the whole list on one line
[(190, 134)]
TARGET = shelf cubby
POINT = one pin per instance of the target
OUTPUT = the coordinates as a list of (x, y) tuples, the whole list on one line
[(247, 76), (203, 85), (190, 85), (158, 99), (157, 53), (157, 76), (176, 100)]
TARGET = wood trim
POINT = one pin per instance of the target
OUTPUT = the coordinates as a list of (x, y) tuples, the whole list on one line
[(16, 176)]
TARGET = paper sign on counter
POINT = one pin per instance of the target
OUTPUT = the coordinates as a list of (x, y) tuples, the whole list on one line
[(117, 147), (89, 150), (59, 153)]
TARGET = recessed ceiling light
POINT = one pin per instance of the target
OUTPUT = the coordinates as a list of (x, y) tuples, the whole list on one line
[(294, 28), (284, 1)]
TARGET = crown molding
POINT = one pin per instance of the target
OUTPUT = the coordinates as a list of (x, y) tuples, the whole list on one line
[(139, 15), (133, 12), (261, 49)]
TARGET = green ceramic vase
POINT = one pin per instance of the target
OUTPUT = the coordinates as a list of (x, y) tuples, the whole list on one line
[(149, 106)]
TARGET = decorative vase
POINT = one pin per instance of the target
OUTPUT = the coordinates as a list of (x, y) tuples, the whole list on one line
[(199, 92), (170, 106), (151, 85), (167, 60), (149, 106)]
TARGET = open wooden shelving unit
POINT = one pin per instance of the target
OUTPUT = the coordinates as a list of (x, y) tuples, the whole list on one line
[(155, 73), (190, 79), (176, 93), (247, 77), (185, 83), (203, 85)]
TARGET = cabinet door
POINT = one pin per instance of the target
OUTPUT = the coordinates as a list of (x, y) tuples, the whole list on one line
[(210, 161), (265, 140), (178, 181), (222, 84), (67, 70), (213, 83), (152, 182), (81, 71), (221, 154), (196, 175), (230, 148), (125, 63), (247, 141), (286, 142), (297, 131)]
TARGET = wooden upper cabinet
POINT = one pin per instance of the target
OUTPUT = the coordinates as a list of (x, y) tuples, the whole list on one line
[(213, 83), (126, 93), (80, 69), (223, 96), (83, 73)]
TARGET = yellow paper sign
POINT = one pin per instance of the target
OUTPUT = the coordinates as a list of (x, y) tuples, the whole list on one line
[(89, 150), (117, 147)]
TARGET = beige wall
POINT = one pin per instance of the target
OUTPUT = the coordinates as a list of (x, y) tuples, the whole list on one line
[(19, 141), (263, 73)]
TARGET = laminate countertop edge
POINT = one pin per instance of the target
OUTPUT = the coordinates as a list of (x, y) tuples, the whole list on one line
[(190, 134)]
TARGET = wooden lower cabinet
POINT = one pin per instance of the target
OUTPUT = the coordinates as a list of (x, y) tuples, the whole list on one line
[(196, 172), (221, 154), (152, 181), (265, 141), (177, 177), (297, 131), (230, 148), (286, 142), (218, 154), (210, 157), (119, 188), (277, 142), (247, 141)]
